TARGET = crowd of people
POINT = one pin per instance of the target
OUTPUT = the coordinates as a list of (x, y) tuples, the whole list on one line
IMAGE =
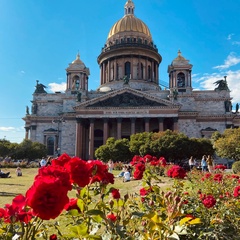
[(206, 164)]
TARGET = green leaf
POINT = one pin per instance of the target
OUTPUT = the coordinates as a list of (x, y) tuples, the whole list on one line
[(81, 204), (184, 220), (73, 212), (195, 221), (96, 212), (94, 237)]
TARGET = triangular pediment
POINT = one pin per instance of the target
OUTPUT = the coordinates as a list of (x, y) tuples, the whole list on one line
[(126, 98)]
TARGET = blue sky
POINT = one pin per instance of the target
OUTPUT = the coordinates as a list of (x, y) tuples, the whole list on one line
[(39, 38)]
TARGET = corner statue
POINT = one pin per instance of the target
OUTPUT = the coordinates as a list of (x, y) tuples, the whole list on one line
[(222, 84), (40, 88), (126, 79)]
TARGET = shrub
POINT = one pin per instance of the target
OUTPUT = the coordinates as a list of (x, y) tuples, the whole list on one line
[(236, 167)]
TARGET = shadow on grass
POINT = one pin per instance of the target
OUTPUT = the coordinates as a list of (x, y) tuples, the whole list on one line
[(8, 194), (12, 184)]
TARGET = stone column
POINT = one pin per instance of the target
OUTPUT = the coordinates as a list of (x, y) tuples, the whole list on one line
[(27, 132), (115, 69), (146, 120), (105, 130), (175, 124), (152, 72), (131, 70), (79, 138), (133, 129), (91, 139), (104, 73), (119, 128), (109, 71), (160, 124), (146, 70)]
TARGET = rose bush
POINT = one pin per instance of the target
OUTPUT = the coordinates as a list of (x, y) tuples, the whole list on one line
[(197, 206)]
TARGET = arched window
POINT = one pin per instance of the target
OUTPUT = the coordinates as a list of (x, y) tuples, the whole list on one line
[(76, 82), (50, 146), (128, 69), (181, 80)]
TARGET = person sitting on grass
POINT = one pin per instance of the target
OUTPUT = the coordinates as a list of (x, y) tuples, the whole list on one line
[(4, 175), (19, 171), (126, 176)]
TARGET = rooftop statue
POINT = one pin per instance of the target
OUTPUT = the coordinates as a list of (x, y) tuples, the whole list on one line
[(126, 79), (222, 84), (40, 88)]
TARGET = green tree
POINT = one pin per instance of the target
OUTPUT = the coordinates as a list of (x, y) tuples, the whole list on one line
[(4, 148), (137, 141), (117, 150), (29, 150), (228, 145)]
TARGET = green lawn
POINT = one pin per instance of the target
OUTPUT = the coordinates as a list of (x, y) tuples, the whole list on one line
[(10, 187)]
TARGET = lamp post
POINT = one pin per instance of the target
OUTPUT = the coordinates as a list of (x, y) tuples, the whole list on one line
[(58, 142)]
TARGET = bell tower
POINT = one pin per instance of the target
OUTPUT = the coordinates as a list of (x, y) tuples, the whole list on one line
[(180, 74), (77, 76)]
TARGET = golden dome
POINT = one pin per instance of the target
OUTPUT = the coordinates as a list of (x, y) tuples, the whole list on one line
[(129, 23)]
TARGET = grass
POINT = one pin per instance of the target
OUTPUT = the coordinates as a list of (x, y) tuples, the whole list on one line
[(11, 187)]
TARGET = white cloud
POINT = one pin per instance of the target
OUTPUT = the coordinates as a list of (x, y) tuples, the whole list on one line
[(7, 129), (236, 43), (56, 87), (229, 62), (229, 37), (207, 82)]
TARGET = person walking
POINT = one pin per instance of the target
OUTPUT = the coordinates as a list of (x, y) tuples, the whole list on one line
[(43, 162), (191, 163), (110, 165), (210, 163), (204, 163)]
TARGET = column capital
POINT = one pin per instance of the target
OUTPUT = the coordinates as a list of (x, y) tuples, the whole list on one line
[(133, 119), (79, 120), (105, 120), (119, 120), (175, 119)]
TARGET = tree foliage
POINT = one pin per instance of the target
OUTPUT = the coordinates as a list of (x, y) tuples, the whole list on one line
[(228, 145), (171, 145), (117, 150), (24, 150)]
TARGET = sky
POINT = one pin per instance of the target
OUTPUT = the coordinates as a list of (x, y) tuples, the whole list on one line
[(39, 38)]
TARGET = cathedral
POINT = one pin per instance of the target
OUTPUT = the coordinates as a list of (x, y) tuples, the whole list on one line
[(130, 98)]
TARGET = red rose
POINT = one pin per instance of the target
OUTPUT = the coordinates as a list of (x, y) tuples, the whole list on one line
[(147, 158), (236, 191), (139, 170), (99, 172), (47, 197), (17, 210), (176, 172), (115, 193), (62, 160), (144, 191), (218, 177), (72, 204), (53, 237), (162, 161), (79, 171), (137, 159), (208, 201), (57, 172), (112, 217)]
